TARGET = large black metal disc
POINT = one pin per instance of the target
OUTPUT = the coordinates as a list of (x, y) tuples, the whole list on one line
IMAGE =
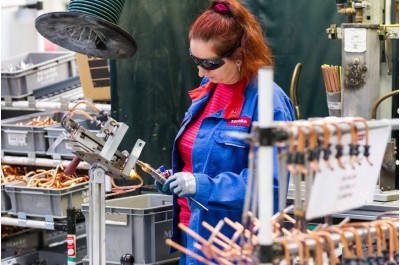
[(86, 34)]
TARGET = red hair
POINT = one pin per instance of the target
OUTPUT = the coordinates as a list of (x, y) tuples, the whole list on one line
[(230, 29)]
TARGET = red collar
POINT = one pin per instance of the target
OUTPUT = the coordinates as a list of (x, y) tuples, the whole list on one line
[(234, 107)]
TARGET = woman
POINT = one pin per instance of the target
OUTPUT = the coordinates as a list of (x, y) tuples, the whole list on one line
[(209, 165)]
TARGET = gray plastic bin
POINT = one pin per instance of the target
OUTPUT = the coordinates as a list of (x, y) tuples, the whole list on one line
[(11, 113), (22, 74), (37, 257), (138, 225), (5, 200), (40, 202), (24, 139)]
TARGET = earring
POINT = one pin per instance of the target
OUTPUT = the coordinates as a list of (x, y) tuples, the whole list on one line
[(239, 65)]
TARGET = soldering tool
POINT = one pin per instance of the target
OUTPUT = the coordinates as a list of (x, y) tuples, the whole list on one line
[(160, 178)]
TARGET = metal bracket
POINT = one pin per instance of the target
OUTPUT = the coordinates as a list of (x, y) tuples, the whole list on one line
[(270, 136), (8, 101), (22, 219), (49, 222), (332, 32), (31, 102)]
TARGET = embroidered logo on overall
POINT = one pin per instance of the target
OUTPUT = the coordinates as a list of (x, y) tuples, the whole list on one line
[(241, 121)]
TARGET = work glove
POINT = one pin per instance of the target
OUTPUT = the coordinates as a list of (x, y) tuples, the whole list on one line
[(182, 184), (159, 187)]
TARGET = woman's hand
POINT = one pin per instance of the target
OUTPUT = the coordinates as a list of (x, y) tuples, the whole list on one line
[(182, 184), (159, 187)]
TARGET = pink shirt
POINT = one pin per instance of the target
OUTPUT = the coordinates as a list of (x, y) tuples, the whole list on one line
[(220, 98)]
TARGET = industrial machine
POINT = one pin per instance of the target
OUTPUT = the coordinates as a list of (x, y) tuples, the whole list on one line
[(370, 74), (101, 152)]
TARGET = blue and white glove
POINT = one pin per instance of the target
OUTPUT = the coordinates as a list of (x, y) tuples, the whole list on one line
[(182, 184), (159, 187)]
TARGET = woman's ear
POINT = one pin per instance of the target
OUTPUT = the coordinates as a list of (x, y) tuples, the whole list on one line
[(239, 54)]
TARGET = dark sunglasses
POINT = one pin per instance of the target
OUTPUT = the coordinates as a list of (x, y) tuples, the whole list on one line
[(207, 64)]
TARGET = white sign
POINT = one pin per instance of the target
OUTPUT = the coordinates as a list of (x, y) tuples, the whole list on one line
[(17, 139), (355, 39), (339, 190), (335, 105)]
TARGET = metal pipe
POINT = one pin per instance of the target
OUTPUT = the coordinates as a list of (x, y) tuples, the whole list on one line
[(26, 223), (345, 128), (293, 89), (50, 105), (284, 132), (265, 167), (388, 12), (379, 101), (42, 162), (293, 247)]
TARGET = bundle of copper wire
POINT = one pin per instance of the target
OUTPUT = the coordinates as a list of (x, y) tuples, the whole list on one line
[(41, 178), (9, 173), (332, 77), (39, 122), (55, 179)]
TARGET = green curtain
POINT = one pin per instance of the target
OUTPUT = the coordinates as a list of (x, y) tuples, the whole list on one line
[(149, 90)]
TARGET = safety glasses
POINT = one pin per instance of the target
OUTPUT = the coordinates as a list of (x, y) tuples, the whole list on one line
[(207, 64)]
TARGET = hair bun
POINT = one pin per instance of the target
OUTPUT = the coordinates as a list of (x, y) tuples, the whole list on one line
[(221, 8)]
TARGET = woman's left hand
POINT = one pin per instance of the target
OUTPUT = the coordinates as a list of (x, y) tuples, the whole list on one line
[(182, 184)]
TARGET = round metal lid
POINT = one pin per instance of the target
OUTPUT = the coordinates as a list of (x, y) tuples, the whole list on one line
[(86, 34)]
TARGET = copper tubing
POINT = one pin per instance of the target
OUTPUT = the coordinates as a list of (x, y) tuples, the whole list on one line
[(357, 240), (300, 250), (38, 122), (340, 232), (318, 259), (301, 142), (236, 251), (248, 234), (395, 235), (354, 139), (201, 239), (331, 246), (188, 252), (339, 138), (293, 89), (369, 236), (87, 103), (378, 238), (286, 251), (306, 249), (360, 119), (326, 138), (392, 235), (226, 243), (379, 101), (125, 189), (331, 78), (313, 142), (393, 214), (383, 237), (215, 231)]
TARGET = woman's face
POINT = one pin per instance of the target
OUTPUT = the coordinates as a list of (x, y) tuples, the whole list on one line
[(226, 74)]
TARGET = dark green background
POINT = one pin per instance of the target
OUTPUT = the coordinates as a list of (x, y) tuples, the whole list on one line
[(149, 90)]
